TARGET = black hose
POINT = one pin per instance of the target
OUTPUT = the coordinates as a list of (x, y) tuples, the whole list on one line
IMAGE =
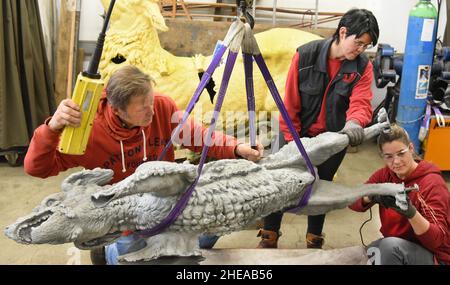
[(92, 71)]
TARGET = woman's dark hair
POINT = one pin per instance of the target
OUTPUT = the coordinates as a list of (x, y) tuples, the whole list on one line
[(396, 133), (359, 22)]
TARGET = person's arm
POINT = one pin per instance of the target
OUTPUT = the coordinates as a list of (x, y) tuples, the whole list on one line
[(291, 100), (362, 204), (419, 224), (42, 158), (193, 136), (222, 146), (360, 108), (429, 213), (430, 221)]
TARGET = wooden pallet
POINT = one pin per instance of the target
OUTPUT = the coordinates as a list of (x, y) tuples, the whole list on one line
[(174, 5)]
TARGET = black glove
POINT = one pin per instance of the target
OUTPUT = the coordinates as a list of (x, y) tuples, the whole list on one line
[(400, 203), (354, 131), (383, 200), (404, 206)]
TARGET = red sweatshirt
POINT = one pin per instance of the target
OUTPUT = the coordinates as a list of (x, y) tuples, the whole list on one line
[(435, 208), (104, 146), (360, 108)]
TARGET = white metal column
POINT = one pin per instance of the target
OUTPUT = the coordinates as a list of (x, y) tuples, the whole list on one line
[(274, 15), (316, 14), (254, 9)]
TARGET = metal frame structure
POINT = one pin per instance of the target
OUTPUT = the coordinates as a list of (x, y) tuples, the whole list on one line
[(169, 8)]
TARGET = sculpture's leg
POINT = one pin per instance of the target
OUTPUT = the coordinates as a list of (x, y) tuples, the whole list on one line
[(165, 244), (327, 196)]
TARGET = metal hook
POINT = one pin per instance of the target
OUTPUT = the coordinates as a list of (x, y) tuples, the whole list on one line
[(414, 188), (383, 117), (242, 7), (249, 19)]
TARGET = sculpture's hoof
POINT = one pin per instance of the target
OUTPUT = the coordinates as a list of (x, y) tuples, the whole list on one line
[(98, 256)]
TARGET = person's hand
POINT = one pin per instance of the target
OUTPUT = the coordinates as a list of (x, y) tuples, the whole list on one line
[(366, 200), (400, 203), (246, 151), (354, 131), (404, 206), (383, 200), (67, 114)]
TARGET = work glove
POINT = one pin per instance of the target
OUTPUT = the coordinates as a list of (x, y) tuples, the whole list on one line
[(400, 203), (383, 200), (404, 206), (354, 131)]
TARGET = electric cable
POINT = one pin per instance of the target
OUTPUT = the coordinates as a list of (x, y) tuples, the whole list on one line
[(363, 224)]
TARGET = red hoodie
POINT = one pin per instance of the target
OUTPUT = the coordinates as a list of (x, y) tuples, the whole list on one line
[(104, 146), (435, 209)]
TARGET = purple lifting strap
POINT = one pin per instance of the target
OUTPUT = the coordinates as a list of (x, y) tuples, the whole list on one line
[(426, 119), (437, 112), (181, 204), (248, 69), (205, 78), (276, 96)]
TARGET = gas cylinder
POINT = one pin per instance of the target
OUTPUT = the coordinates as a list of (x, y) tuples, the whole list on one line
[(417, 62)]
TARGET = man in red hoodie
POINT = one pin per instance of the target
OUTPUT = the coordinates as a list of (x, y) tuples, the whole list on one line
[(133, 124), (328, 89), (418, 232)]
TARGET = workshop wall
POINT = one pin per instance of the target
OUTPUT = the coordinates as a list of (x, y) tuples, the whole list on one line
[(392, 16)]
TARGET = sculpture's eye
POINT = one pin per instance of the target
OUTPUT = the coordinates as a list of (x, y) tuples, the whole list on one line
[(50, 202), (118, 59)]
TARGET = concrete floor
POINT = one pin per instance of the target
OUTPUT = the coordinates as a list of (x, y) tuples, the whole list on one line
[(20, 193)]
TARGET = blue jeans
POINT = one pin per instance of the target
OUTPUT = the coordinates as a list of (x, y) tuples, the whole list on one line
[(123, 245)]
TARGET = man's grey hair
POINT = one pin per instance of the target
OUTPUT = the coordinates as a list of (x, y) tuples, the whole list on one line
[(126, 82)]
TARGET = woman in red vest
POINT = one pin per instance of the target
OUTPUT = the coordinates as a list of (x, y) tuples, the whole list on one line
[(328, 89)]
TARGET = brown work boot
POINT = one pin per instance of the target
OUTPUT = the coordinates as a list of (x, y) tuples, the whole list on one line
[(315, 241), (269, 239)]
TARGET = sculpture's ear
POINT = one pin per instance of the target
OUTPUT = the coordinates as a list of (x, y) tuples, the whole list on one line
[(153, 13), (96, 176)]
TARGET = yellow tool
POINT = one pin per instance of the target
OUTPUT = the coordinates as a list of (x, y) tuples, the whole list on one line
[(87, 93)]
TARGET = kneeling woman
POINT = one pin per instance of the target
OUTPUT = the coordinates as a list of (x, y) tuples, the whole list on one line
[(419, 234)]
